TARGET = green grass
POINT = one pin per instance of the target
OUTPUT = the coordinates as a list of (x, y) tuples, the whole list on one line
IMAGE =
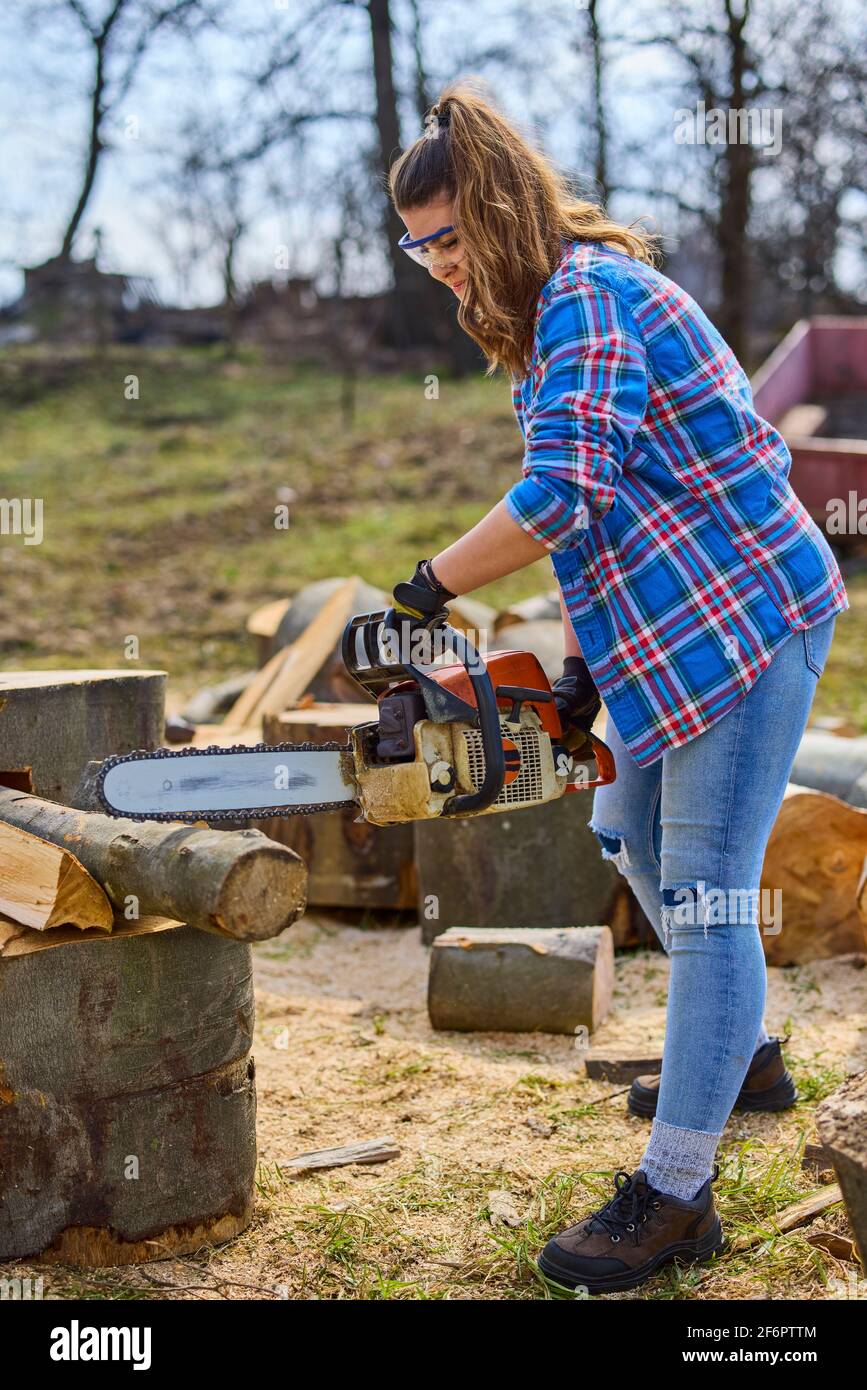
[(159, 512)]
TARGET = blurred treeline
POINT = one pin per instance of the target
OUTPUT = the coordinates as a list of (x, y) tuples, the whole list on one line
[(276, 119)]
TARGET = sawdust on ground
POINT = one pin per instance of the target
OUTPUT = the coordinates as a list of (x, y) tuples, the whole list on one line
[(344, 1052)]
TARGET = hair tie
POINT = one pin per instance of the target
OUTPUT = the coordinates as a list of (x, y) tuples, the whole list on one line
[(436, 118)]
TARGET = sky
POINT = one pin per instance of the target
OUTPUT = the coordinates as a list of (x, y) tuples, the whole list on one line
[(44, 76)]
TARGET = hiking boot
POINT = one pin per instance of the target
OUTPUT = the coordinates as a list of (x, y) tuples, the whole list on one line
[(767, 1084), (632, 1236)]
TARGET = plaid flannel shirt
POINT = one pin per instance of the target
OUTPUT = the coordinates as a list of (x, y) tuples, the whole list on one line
[(684, 557)]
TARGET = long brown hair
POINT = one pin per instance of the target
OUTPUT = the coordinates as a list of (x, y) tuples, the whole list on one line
[(512, 208)]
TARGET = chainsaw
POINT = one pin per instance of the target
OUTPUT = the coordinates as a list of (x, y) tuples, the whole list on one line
[(457, 739)]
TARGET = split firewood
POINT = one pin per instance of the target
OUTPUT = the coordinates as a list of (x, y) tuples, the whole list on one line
[(363, 1151), (263, 625), (814, 858), (237, 884), (791, 1217), (289, 672), (43, 885)]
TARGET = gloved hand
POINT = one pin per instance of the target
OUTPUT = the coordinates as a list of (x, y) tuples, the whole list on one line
[(423, 597), (577, 699)]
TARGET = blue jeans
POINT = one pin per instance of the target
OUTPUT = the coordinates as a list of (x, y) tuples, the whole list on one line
[(689, 834)]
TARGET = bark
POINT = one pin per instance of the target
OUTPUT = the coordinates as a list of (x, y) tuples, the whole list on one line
[(521, 980), (127, 1096), (235, 884)]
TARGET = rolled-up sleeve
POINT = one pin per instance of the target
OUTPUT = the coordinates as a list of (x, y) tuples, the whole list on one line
[(589, 397)]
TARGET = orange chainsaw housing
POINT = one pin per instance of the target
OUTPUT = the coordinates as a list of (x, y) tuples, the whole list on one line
[(522, 669)]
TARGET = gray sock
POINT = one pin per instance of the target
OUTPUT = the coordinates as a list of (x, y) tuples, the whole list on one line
[(678, 1161)]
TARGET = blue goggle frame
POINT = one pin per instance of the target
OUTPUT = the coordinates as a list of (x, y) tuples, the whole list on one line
[(412, 247)]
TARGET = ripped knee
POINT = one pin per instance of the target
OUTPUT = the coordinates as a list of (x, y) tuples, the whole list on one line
[(613, 847), (691, 904)]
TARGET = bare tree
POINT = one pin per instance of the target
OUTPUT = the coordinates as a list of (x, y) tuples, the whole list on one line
[(118, 39)]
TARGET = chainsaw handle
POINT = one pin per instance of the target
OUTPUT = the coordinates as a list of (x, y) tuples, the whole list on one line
[(376, 675), (489, 724)]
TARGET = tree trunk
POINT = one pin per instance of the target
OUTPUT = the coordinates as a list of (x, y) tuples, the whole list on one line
[(236, 884)]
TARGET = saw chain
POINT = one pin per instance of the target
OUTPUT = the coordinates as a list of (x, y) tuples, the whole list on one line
[(257, 813)]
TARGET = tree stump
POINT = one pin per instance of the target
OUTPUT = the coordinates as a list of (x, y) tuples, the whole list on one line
[(527, 980), (538, 867), (127, 1103), (350, 863), (52, 723)]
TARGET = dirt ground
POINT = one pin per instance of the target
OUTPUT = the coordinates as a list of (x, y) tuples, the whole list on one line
[(344, 1051)]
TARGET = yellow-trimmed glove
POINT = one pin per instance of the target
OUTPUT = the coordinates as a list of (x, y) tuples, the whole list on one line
[(423, 597)]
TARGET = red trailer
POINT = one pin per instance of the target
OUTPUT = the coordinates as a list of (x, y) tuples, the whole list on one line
[(813, 388)]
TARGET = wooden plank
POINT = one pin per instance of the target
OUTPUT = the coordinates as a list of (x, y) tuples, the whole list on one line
[(362, 1151), (790, 1217)]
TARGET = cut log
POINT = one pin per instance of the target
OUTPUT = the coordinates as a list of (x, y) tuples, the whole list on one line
[(814, 860), (543, 637), (127, 1096), (240, 885), (834, 765), (43, 886), (213, 700), (525, 980), (350, 863), (52, 723), (841, 1120), (529, 610), (541, 867)]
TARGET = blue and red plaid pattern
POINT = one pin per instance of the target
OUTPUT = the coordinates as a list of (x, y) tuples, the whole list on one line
[(684, 556)]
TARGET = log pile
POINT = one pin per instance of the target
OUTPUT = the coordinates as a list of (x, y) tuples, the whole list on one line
[(126, 1086)]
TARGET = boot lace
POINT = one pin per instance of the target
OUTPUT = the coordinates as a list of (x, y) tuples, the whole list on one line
[(626, 1213)]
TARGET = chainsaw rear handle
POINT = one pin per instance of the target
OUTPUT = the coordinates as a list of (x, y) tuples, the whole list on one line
[(376, 674)]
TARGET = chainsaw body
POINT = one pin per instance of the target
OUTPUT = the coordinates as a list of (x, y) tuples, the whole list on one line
[(460, 738)]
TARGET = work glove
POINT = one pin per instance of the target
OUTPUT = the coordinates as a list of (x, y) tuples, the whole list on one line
[(576, 697), (423, 597)]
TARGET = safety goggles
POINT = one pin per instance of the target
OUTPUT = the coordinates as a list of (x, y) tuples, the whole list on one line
[(425, 253)]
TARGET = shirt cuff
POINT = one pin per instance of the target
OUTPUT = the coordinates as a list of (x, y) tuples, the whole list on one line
[(544, 515)]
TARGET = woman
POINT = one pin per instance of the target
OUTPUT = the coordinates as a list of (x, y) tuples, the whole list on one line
[(698, 598)]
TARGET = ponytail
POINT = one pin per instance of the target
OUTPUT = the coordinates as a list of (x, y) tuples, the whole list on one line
[(513, 210)]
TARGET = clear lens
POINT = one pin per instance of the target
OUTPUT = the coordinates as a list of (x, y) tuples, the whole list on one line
[(443, 253)]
